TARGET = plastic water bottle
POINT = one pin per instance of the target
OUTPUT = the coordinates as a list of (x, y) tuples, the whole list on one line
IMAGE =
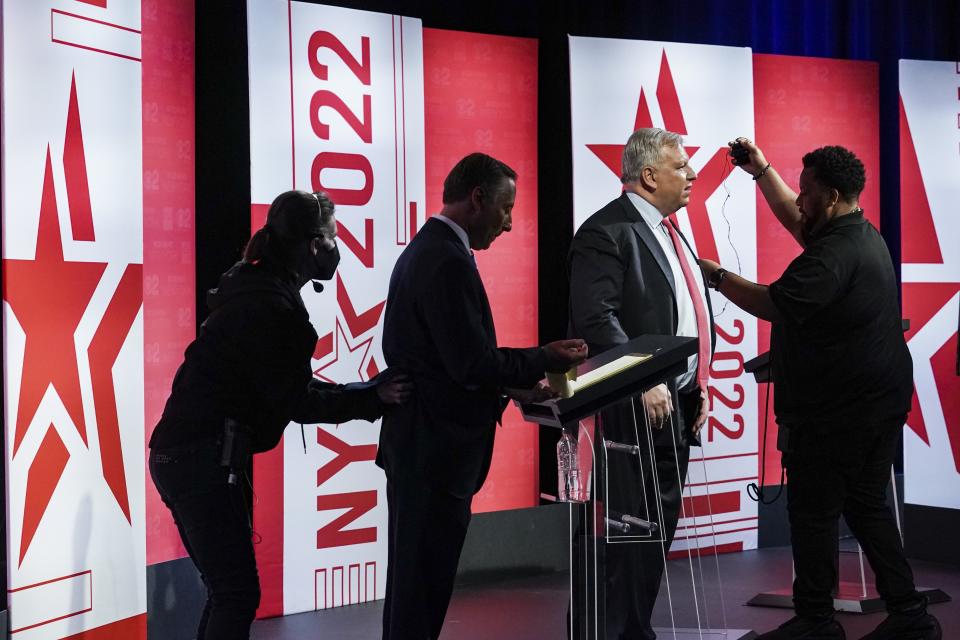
[(568, 469)]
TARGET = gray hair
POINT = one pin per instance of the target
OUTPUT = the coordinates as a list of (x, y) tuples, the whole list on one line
[(644, 148)]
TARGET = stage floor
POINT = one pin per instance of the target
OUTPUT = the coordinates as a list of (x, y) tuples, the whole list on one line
[(532, 608)]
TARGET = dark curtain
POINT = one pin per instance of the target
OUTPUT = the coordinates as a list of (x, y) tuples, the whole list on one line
[(854, 29)]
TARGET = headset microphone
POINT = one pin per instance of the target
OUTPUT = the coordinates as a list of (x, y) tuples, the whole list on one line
[(317, 286)]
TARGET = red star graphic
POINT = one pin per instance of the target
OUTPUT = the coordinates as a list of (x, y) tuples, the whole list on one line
[(49, 295), (921, 302), (919, 243), (710, 177), (44, 474), (103, 352), (357, 323), (362, 349), (612, 154), (948, 386)]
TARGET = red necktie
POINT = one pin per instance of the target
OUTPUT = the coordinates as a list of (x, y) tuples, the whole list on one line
[(700, 309)]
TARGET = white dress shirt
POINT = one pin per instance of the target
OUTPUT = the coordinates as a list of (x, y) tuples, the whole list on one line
[(686, 314)]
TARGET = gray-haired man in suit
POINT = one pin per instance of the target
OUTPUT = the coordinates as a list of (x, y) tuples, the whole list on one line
[(633, 273)]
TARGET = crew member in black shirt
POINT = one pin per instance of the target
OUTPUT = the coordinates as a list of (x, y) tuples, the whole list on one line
[(843, 379), (243, 380)]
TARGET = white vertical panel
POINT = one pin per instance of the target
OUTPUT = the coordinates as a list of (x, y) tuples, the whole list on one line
[(714, 89), (929, 91), (84, 560), (285, 144)]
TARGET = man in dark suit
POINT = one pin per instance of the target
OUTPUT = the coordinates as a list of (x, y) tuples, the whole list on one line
[(633, 273), (436, 451)]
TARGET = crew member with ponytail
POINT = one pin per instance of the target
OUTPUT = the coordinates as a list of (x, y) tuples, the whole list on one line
[(243, 380)]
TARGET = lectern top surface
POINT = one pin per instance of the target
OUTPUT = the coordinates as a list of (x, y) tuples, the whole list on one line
[(568, 384), (650, 359)]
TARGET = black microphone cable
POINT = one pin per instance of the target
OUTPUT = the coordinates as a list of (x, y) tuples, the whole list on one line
[(728, 169), (756, 491)]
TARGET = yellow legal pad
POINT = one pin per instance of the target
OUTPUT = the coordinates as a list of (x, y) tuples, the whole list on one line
[(569, 383)]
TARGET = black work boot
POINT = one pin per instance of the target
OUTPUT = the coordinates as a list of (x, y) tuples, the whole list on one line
[(907, 625), (807, 628)]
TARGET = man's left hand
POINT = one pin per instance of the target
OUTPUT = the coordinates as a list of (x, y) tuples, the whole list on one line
[(702, 414)]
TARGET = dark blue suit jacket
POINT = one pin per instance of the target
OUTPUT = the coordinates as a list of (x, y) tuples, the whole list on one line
[(622, 287), (438, 328)]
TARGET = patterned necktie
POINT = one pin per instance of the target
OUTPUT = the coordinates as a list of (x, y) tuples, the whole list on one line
[(699, 308)]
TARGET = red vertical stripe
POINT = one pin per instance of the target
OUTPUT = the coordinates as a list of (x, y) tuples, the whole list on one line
[(268, 515), (793, 94), (268, 523), (403, 107), (169, 317), (396, 136), (499, 76)]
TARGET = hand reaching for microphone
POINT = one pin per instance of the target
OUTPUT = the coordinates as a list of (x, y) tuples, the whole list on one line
[(747, 155)]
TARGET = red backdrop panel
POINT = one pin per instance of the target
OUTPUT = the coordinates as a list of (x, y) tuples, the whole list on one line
[(168, 227), (268, 515), (480, 94), (798, 108)]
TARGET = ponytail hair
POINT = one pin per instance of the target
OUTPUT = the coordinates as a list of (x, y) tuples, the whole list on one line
[(258, 245), (295, 217)]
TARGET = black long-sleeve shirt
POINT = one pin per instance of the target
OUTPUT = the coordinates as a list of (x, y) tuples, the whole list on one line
[(251, 362), (839, 356)]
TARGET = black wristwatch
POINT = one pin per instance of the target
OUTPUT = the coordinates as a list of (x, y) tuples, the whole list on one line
[(716, 278)]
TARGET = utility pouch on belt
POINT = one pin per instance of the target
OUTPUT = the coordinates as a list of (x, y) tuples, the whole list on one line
[(235, 448), (783, 439)]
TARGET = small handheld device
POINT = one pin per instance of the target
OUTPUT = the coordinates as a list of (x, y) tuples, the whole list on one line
[(739, 153)]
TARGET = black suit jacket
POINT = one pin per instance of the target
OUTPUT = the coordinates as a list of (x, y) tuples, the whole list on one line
[(438, 328), (621, 285)]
